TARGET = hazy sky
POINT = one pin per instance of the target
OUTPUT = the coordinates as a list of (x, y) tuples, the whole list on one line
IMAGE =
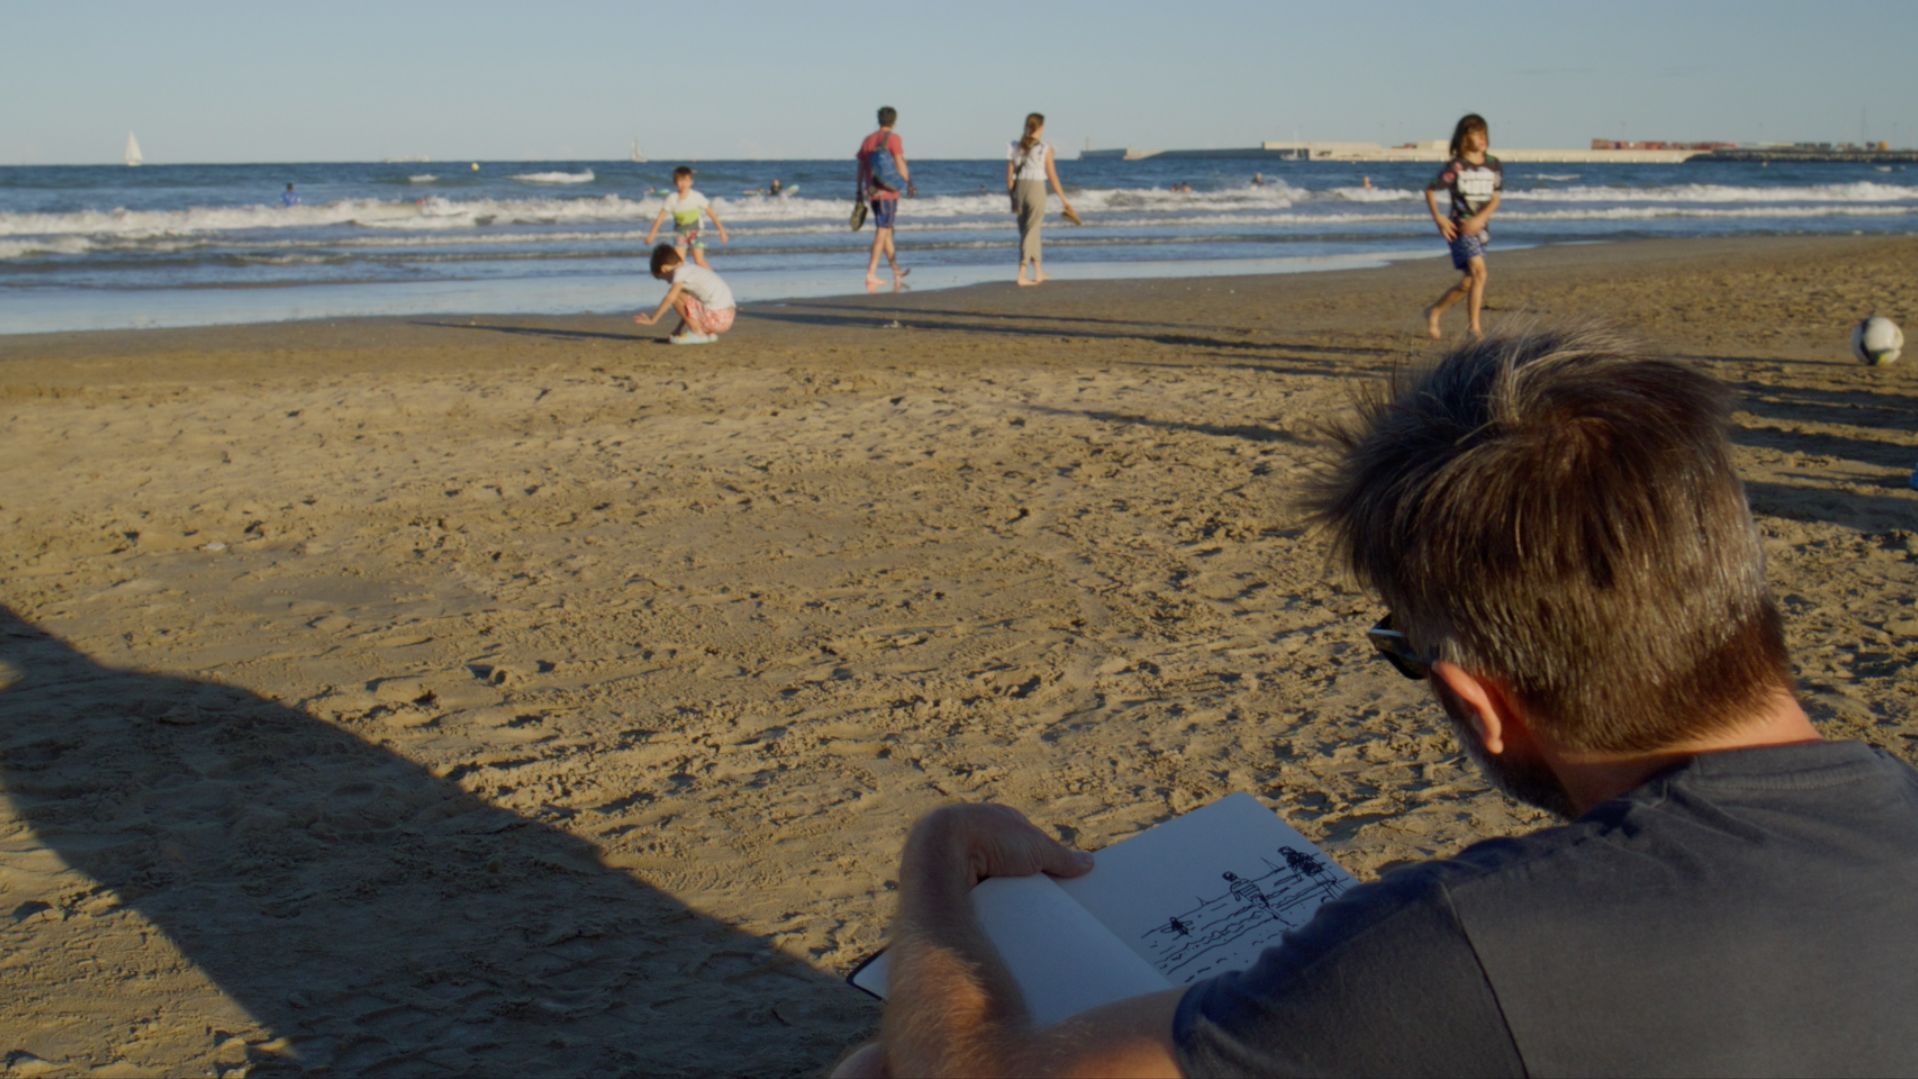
[(344, 80)]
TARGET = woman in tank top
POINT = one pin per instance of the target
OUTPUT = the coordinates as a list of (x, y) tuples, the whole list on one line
[(1029, 167)]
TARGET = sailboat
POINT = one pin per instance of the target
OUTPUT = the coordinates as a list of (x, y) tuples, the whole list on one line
[(133, 157), (638, 158)]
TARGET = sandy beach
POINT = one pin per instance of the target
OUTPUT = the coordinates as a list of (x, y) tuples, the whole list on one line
[(521, 695)]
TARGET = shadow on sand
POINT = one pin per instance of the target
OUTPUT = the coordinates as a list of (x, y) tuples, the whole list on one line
[(986, 324), (1896, 509), (540, 331), (378, 918), (1250, 432)]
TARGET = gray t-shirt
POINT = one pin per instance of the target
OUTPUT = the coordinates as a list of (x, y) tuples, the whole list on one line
[(705, 286), (1747, 913)]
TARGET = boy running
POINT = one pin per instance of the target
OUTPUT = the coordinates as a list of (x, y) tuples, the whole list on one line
[(881, 189), (685, 205), (704, 302), (1474, 179)]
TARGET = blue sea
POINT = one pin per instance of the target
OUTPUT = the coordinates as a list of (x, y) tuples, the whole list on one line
[(97, 247)]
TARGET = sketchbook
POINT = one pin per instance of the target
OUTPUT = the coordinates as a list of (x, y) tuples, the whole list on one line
[(1195, 896)]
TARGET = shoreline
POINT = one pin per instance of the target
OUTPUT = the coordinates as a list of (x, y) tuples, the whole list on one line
[(469, 694), (586, 297), (1592, 255)]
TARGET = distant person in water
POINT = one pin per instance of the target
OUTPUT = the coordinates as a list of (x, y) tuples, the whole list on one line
[(882, 177), (1474, 179), (1029, 165), (1365, 182), (704, 302), (685, 205), (1258, 179), (775, 188), (288, 197)]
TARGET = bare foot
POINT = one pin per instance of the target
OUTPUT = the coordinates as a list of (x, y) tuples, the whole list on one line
[(1432, 324), (873, 283), (1478, 334), (1023, 283), (901, 271), (1040, 279)]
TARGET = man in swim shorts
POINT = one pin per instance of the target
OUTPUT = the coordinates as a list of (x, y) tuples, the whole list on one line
[(881, 192)]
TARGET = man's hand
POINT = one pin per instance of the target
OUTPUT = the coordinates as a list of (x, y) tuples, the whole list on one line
[(912, 190), (650, 235), (954, 1009), (991, 841), (1447, 229), (643, 320)]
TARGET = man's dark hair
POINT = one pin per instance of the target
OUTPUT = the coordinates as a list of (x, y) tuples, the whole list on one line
[(665, 257), (888, 115), (683, 170), (1558, 510)]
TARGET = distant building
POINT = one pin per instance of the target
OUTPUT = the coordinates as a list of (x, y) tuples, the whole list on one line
[(1659, 144)]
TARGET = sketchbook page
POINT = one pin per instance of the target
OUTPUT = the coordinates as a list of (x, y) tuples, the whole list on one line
[(1207, 892), (1063, 961)]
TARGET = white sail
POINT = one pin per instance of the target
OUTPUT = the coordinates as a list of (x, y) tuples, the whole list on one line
[(638, 158), (133, 150)]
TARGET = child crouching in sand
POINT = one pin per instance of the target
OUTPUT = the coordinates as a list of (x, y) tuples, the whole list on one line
[(704, 303)]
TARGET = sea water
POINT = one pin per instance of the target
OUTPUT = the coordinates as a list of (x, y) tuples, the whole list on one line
[(94, 247)]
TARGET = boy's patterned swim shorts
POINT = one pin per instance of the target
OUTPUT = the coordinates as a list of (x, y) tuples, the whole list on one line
[(689, 239), (703, 319), (1467, 248)]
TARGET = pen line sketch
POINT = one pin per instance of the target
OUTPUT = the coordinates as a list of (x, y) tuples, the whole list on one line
[(1252, 913)]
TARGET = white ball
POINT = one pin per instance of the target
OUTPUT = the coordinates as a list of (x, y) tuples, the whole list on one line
[(1877, 340)]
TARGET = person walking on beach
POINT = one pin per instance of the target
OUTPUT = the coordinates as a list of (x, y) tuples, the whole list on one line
[(1029, 165), (883, 175), (685, 205), (1474, 180)]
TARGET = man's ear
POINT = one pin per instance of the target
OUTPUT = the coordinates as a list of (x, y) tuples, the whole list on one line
[(1482, 703)]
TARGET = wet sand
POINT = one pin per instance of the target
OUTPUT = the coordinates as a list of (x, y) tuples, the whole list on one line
[(502, 694)]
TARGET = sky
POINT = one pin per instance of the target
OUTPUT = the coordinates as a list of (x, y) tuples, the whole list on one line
[(353, 81)]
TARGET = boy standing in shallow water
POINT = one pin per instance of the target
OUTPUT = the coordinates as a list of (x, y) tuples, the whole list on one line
[(1474, 179), (685, 205), (704, 302)]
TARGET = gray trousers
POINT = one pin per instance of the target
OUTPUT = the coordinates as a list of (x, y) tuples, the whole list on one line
[(1029, 203)]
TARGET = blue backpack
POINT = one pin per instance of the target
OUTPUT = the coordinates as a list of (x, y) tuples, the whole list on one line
[(884, 169)]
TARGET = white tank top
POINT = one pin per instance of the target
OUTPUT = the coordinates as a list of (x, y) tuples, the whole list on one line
[(1026, 166)]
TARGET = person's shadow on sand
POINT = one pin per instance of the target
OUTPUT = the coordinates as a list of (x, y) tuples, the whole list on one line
[(376, 917)]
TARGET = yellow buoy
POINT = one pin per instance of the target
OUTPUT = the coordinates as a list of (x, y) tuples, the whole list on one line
[(475, 166)]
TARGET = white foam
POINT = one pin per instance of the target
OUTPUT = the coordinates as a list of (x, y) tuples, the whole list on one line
[(1863, 191), (1646, 213), (64, 245), (199, 220), (582, 177), (1375, 194), (423, 178)]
